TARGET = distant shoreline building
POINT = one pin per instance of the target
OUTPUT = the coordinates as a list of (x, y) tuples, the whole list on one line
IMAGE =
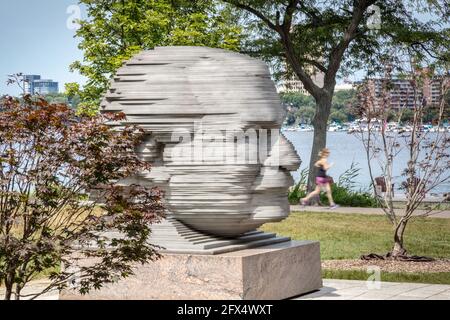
[(294, 85), (402, 93), (346, 85), (33, 84)]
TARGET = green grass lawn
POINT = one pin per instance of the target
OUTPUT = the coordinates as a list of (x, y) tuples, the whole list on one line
[(348, 236)]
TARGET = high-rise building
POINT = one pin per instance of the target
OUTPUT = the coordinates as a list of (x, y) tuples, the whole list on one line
[(33, 84), (402, 95), (28, 82), (45, 86)]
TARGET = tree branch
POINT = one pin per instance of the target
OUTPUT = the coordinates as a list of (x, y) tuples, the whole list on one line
[(288, 13), (316, 64), (310, 12), (284, 32), (309, 85), (338, 52), (255, 12)]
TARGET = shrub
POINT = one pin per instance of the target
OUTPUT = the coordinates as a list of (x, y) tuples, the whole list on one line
[(346, 197), (343, 191), (50, 161), (298, 191)]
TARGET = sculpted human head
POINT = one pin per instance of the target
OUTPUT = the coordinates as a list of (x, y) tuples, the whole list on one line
[(212, 119)]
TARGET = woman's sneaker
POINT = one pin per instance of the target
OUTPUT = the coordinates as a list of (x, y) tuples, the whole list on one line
[(302, 202), (334, 206)]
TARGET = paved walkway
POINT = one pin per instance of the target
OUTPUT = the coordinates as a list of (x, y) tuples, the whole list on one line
[(377, 211), (359, 290), (336, 290), (33, 288)]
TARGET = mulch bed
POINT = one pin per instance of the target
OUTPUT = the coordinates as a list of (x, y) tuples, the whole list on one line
[(442, 265)]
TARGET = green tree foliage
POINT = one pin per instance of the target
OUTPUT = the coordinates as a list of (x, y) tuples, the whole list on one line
[(117, 29), (343, 99), (56, 98), (407, 116), (302, 108), (338, 116), (297, 99), (71, 100), (305, 114), (302, 38)]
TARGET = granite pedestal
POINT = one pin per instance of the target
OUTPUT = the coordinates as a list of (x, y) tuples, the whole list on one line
[(277, 271)]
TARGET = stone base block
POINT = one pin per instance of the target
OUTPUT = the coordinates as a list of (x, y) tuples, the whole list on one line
[(277, 271)]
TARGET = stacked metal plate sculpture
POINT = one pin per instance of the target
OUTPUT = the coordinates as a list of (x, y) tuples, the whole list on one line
[(212, 120)]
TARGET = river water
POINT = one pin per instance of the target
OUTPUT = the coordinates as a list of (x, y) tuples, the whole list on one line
[(347, 148)]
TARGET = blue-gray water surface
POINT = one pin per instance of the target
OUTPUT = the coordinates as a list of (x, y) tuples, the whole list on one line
[(347, 148)]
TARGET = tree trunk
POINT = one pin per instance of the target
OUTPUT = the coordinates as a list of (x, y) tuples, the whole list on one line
[(17, 291), (8, 293), (398, 249), (9, 283), (320, 120)]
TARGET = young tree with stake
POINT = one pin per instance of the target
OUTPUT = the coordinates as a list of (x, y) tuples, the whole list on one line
[(428, 156)]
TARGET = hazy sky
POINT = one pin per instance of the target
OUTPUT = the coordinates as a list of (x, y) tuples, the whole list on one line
[(35, 39)]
